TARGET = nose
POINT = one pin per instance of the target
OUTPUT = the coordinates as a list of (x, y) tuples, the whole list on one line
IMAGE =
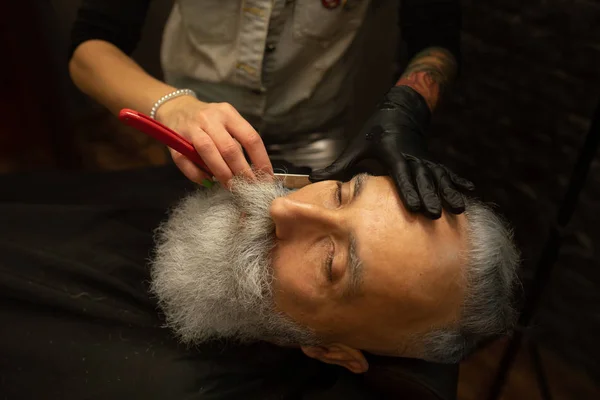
[(293, 217)]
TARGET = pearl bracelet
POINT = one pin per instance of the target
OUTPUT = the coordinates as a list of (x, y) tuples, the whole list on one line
[(170, 96)]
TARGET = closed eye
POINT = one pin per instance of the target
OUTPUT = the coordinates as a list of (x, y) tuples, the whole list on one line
[(329, 264), (337, 194)]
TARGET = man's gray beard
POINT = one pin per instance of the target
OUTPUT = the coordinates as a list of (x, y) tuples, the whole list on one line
[(212, 272)]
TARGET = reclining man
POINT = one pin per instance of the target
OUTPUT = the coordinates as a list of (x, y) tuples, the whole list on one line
[(340, 269), (336, 268)]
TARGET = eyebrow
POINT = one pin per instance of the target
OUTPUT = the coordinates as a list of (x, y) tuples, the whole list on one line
[(355, 270), (359, 183), (355, 265)]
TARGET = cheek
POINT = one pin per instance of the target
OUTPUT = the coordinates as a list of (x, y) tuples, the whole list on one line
[(295, 285)]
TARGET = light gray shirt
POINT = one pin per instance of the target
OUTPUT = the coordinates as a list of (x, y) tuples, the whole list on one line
[(287, 66)]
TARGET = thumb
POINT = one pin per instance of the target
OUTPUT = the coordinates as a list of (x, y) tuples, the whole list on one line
[(339, 169)]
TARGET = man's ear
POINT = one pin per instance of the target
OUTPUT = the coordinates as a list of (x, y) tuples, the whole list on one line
[(339, 354)]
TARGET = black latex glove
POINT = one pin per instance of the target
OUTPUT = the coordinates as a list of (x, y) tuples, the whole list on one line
[(395, 136)]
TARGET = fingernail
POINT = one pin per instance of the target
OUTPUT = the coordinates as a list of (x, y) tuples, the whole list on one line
[(207, 183), (355, 365)]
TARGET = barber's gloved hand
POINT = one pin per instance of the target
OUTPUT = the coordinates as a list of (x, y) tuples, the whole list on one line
[(395, 136)]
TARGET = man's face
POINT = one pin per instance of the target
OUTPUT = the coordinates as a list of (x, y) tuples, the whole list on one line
[(342, 259), (352, 264)]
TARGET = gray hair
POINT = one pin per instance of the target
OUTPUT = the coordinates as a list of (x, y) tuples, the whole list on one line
[(491, 279)]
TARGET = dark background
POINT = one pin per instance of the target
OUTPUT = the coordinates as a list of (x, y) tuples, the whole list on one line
[(513, 124)]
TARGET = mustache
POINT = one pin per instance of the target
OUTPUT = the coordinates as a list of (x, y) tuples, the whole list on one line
[(253, 239)]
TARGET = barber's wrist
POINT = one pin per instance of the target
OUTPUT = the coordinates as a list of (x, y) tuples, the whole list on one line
[(430, 73), (169, 97), (411, 104), (167, 109)]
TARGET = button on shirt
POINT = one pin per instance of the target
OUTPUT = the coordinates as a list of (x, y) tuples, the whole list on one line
[(284, 65)]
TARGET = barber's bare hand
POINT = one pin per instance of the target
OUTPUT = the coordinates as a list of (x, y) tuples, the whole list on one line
[(213, 129)]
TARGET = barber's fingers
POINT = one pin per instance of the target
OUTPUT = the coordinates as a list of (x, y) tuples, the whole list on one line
[(208, 151), (247, 136), (460, 182), (230, 152), (340, 169), (431, 203), (188, 168), (453, 200), (402, 177)]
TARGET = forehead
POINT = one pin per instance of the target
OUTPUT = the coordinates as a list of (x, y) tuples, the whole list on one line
[(386, 230), (412, 265), (380, 222)]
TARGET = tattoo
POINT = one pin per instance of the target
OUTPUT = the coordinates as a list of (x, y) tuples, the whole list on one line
[(430, 73)]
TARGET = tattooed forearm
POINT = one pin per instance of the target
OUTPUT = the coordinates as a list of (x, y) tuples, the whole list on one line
[(430, 73)]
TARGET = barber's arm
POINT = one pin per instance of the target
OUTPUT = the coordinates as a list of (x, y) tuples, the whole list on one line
[(395, 135), (103, 36)]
